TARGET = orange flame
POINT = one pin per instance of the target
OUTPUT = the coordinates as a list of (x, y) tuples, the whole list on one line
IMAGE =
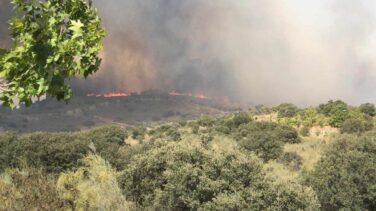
[(197, 96), (116, 94), (175, 93), (123, 94), (109, 94)]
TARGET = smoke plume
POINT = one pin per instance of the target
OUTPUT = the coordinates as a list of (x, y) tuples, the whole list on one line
[(5, 14), (269, 52)]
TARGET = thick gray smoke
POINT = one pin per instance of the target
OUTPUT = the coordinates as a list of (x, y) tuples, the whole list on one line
[(5, 13), (150, 46), (299, 51)]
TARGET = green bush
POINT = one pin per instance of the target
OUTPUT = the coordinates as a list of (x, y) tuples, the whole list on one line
[(29, 189), (310, 117), (206, 138), (330, 106), (280, 196), (287, 110), (264, 145), (368, 108), (338, 114), (261, 109), (282, 133), (138, 133), (291, 160), (234, 121), (168, 132), (241, 118), (108, 142), (195, 129), (344, 178), (368, 123), (187, 175), (57, 152), (354, 125), (92, 187), (287, 134), (223, 129), (305, 131), (266, 139), (206, 122)]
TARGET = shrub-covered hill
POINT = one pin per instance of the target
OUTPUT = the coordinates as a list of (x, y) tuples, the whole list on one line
[(83, 112), (223, 163), (334, 114)]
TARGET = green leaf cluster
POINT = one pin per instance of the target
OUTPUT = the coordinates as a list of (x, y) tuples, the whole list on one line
[(53, 41)]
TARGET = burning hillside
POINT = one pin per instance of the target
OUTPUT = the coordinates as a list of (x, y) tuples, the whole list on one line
[(108, 94), (197, 96), (121, 108), (174, 93)]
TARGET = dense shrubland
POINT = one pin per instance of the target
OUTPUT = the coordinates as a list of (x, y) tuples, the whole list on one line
[(57, 152), (337, 114), (27, 189), (190, 175), (222, 163)]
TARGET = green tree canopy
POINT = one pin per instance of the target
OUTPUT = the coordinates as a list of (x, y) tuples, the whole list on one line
[(344, 178), (53, 40), (338, 114), (287, 110), (368, 108), (330, 107), (188, 175)]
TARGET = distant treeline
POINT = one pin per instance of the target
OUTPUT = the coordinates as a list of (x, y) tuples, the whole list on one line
[(338, 114)]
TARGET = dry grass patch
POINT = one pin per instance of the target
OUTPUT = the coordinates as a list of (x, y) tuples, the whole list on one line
[(310, 149)]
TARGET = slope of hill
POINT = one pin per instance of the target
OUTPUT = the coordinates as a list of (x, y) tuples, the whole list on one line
[(212, 152), (84, 112), (231, 162)]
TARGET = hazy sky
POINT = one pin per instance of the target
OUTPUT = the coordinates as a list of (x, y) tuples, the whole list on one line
[(269, 51)]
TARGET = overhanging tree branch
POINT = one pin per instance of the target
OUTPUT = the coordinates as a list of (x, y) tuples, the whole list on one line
[(64, 36), (3, 85)]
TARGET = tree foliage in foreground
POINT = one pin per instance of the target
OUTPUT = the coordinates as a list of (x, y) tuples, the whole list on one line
[(28, 189), (92, 187), (58, 152), (53, 40), (174, 167), (345, 177), (189, 175)]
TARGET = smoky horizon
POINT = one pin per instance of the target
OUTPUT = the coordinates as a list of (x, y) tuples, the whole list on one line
[(261, 52)]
